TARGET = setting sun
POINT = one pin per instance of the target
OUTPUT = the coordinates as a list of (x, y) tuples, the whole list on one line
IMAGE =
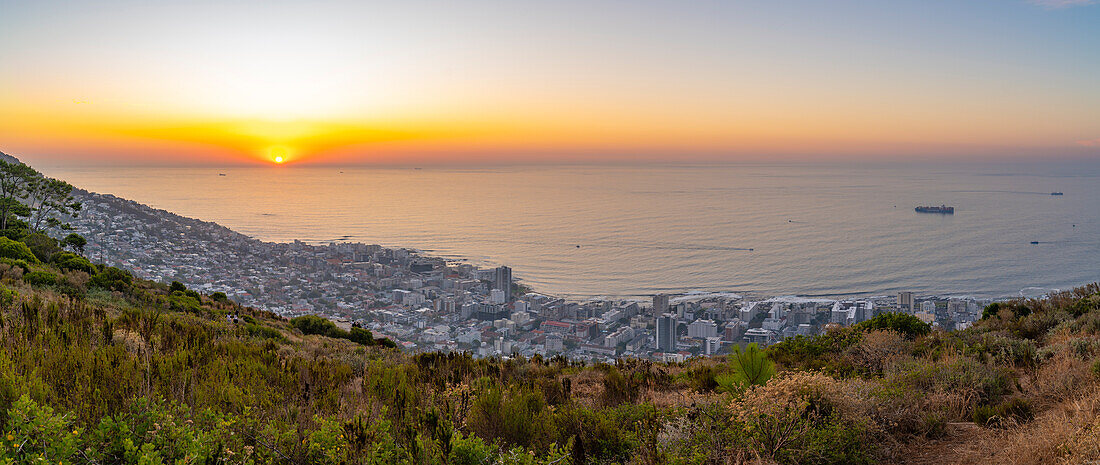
[(278, 154)]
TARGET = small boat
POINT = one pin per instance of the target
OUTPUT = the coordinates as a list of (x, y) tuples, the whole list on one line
[(944, 209), (1034, 242), (221, 174), (1055, 193)]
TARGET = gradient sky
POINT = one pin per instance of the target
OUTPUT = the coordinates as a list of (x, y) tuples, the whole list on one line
[(519, 81)]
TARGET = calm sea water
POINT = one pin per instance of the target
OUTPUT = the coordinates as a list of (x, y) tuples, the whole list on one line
[(821, 230)]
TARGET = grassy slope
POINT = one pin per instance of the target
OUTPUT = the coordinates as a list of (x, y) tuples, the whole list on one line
[(140, 373)]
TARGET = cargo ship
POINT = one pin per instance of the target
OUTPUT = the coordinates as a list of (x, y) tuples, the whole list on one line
[(1055, 193), (940, 209)]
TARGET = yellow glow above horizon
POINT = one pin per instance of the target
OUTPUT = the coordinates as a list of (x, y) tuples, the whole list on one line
[(210, 82)]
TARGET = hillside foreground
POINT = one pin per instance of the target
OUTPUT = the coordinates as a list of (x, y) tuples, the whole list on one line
[(97, 367)]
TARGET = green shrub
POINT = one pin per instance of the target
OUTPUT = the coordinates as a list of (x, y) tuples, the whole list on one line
[(40, 278), (35, 433), (702, 378), (816, 353), (262, 332), (313, 324), (963, 376), (830, 442), (44, 247), (1018, 310), (72, 261), (21, 264), (470, 450), (361, 336), (1005, 350), (1085, 305), (903, 323), (16, 250), (1014, 410), (618, 388), (112, 279), (748, 367), (181, 302)]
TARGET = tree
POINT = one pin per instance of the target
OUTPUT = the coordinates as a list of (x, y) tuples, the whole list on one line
[(15, 178), (43, 246), (76, 242), (49, 199)]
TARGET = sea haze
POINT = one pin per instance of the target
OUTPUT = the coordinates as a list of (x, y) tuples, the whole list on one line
[(578, 231)]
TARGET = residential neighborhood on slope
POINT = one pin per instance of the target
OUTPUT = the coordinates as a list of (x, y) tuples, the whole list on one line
[(430, 304)]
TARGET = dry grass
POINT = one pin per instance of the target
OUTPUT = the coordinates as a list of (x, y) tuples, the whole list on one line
[(1061, 377), (1066, 433)]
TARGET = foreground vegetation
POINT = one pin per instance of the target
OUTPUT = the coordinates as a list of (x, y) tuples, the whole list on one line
[(99, 367)]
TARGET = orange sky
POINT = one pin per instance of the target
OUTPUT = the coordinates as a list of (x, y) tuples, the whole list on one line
[(555, 81)]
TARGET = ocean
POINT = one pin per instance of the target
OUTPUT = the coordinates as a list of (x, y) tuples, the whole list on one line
[(825, 230)]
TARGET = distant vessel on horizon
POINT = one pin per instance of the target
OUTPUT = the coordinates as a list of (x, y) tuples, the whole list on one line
[(944, 209), (1055, 193)]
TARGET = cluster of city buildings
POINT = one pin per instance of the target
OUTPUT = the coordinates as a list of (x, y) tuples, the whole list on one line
[(430, 304)]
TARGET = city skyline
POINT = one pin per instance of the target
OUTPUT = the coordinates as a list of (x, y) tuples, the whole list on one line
[(345, 83)]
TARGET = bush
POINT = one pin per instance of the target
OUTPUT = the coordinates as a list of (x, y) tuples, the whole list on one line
[(361, 336), (21, 264), (1012, 411), (959, 376), (617, 388), (313, 324), (749, 367), (804, 417), (1017, 309), (16, 250), (903, 323), (181, 302), (74, 262), (44, 247), (518, 416), (40, 278), (35, 433), (1085, 305), (819, 352), (112, 279), (1005, 350), (876, 350), (262, 332)]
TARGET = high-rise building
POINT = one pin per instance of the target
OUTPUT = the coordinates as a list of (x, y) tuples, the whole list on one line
[(905, 301), (666, 332), (703, 329), (956, 307), (712, 345), (660, 304), (502, 279)]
